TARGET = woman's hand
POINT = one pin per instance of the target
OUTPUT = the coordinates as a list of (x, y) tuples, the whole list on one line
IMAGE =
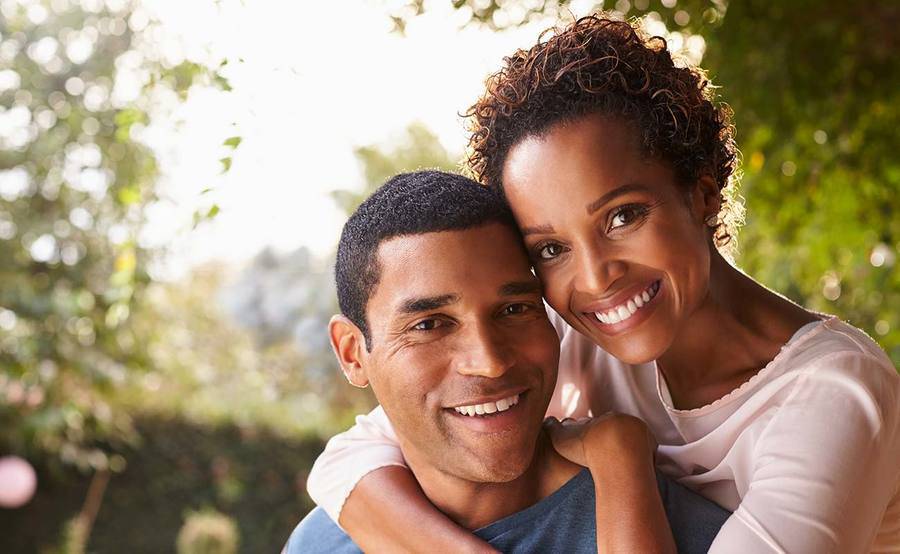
[(618, 450), (596, 439)]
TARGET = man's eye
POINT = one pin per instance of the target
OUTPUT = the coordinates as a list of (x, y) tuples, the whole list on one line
[(626, 215), (550, 251), (515, 309), (427, 325)]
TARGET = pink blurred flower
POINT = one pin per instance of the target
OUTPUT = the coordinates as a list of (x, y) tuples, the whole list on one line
[(18, 482)]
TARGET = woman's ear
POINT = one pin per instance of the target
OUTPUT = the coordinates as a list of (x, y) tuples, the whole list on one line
[(349, 346), (706, 200)]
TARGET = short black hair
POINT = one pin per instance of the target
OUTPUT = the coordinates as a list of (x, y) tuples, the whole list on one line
[(407, 204)]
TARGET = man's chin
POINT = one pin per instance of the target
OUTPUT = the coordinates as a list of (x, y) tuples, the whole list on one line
[(498, 463)]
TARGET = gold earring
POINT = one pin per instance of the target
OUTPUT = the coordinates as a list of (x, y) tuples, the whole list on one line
[(712, 220)]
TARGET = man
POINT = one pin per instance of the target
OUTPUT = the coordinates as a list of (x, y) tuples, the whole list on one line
[(441, 314)]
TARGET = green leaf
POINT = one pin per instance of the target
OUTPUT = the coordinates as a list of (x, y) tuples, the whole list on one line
[(233, 142), (226, 164)]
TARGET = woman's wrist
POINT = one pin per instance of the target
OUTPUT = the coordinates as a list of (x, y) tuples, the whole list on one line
[(621, 439)]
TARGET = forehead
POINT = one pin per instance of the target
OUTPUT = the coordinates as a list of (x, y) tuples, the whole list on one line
[(595, 146), (470, 262)]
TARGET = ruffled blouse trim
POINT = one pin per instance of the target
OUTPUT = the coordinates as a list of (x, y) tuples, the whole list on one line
[(665, 397)]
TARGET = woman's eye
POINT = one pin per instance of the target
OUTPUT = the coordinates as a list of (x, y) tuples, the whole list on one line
[(626, 215), (550, 251)]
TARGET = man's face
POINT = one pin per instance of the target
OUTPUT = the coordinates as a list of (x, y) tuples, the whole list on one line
[(463, 357)]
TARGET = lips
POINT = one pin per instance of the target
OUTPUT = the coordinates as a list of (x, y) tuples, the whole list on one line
[(488, 407), (624, 310), (628, 307), (475, 415)]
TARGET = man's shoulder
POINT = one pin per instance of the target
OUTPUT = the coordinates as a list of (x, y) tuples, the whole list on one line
[(317, 533)]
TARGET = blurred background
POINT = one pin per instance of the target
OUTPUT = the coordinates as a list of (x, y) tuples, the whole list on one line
[(174, 176)]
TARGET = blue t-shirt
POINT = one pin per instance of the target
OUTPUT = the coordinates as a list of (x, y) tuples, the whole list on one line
[(562, 522)]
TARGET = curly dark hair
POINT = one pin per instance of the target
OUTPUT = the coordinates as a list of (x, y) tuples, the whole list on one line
[(601, 65)]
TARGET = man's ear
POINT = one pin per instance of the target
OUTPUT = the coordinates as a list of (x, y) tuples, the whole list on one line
[(349, 346), (706, 199)]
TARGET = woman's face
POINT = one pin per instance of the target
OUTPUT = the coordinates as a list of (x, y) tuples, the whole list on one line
[(622, 250)]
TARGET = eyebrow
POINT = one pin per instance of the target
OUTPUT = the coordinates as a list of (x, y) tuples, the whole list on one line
[(609, 196), (518, 288), (428, 303), (416, 305), (537, 230)]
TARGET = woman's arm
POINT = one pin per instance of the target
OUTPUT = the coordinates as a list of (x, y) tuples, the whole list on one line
[(618, 450), (362, 482), (380, 510)]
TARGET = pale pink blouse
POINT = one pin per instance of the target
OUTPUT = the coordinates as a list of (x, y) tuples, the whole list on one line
[(806, 453)]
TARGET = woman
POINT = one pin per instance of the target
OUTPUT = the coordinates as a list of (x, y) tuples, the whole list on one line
[(618, 167)]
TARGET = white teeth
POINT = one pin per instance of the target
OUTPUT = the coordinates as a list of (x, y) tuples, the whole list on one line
[(488, 407), (626, 310)]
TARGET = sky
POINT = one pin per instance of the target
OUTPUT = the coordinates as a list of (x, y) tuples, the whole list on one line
[(310, 81)]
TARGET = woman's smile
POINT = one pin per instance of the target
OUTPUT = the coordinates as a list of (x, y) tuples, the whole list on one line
[(624, 310)]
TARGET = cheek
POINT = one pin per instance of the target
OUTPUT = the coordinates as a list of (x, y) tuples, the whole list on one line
[(557, 282), (682, 252), (536, 350), (540, 344), (407, 378)]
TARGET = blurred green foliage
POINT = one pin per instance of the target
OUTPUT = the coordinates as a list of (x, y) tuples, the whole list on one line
[(815, 90), (80, 81), (251, 352), (252, 476), (207, 532)]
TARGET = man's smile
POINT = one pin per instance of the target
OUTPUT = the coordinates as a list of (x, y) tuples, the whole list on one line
[(489, 407), (488, 417)]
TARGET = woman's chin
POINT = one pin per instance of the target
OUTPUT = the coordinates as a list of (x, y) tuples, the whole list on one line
[(640, 345)]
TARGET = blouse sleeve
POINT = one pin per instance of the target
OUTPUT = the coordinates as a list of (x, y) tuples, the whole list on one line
[(825, 467), (348, 457)]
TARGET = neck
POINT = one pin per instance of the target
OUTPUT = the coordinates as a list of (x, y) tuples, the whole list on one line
[(474, 504), (737, 329)]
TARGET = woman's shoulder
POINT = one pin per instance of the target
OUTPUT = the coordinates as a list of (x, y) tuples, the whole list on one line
[(836, 356), (831, 340)]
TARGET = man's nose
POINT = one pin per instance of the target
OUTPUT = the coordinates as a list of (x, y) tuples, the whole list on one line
[(484, 353)]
